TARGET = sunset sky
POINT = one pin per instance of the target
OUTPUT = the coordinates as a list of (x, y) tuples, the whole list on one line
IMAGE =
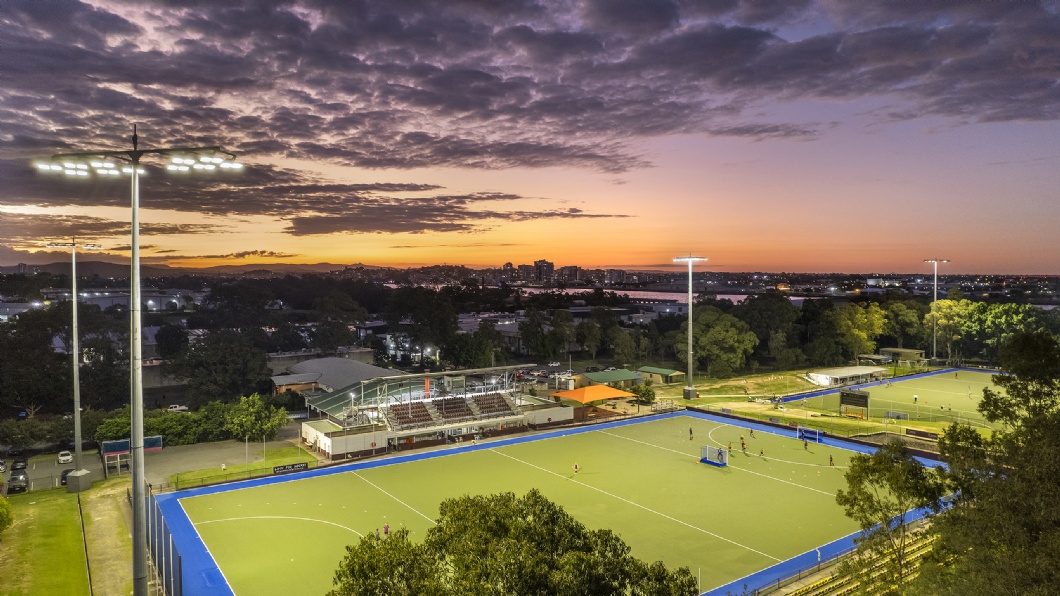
[(766, 135)]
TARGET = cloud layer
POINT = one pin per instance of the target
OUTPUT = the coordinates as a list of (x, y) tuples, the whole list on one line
[(471, 84)]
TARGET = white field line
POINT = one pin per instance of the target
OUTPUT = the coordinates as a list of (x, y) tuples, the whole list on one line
[(730, 465), (377, 487), (648, 509), (322, 521)]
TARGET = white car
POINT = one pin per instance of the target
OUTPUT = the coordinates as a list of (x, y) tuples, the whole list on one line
[(65, 457), (553, 364)]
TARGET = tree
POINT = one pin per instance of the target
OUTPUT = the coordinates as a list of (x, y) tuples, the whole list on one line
[(563, 325), (625, 347), (645, 393), (767, 314), (251, 417), (171, 340), (902, 321), (721, 343), (1002, 533), (882, 489), (504, 544), (7, 515), (389, 566), (222, 365), (590, 336), (952, 316), (857, 327)]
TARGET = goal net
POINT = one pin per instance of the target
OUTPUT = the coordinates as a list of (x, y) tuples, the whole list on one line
[(809, 434), (714, 456)]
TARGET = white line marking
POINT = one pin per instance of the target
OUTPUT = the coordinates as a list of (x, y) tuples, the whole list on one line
[(416, 511), (710, 435), (211, 521), (660, 514), (730, 464)]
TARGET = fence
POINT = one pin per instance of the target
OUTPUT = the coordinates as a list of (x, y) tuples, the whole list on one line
[(165, 560)]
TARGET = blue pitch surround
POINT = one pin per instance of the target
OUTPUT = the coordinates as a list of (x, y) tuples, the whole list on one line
[(202, 577)]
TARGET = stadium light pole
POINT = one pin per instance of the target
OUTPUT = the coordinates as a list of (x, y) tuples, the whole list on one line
[(78, 480), (690, 389), (102, 163), (934, 315)]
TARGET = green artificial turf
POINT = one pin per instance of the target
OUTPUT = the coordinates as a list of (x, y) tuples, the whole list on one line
[(941, 399), (644, 481), (273, 457)]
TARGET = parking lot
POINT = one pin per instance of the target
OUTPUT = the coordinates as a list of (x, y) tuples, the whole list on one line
[(44, 470)]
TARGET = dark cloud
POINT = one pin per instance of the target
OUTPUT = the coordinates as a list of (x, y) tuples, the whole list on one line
[(244, 254), (476, 84), (454, 213), (37, 228)]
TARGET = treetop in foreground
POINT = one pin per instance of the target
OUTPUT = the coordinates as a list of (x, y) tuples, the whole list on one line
[(503, 544)]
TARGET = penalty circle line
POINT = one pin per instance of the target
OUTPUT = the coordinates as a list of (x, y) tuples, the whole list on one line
[(322, 521)]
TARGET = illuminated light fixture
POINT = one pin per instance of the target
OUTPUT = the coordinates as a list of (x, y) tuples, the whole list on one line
[(96, 164), (136, 465), (44, 166)]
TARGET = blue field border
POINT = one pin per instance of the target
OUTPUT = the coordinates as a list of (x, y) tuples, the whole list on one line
[(203, 577), (805, 561)]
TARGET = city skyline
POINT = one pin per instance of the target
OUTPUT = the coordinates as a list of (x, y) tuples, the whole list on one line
[(802, 137)]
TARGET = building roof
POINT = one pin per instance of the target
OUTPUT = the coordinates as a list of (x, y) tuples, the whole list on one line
[(659, 371), (299, 379), (612, 376), (336, 373), (848, 371), (593, 393)]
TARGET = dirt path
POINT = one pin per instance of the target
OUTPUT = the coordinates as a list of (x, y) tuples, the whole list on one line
[(109, 538)]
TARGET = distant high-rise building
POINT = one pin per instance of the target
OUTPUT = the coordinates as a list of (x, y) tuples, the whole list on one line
[(526, 273), (507, 272), (544, 271), (569, 273), (23, 268), (615, 276)]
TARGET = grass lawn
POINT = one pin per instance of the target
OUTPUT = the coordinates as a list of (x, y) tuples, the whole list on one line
[(43, 551), (273, 457), (643, 480)]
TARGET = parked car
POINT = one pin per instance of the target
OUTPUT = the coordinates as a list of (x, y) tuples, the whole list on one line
[(63, 475), (3, 466), (591, 369), (19, 463), (553, 364), (176, 408), (19, 482), (610, 368), (65, 457)]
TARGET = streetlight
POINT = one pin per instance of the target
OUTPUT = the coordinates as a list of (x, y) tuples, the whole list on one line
[(78, 480), (104, 164), (934, 315), (690, 390)]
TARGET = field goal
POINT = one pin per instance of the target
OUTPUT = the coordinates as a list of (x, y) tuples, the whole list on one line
[(854, 403), (714, 456), (809, 434), (115, 454)]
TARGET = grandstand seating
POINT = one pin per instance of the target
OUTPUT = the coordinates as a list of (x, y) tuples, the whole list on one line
[(407, 415), (843, 585), (453, 408), (492, 404)]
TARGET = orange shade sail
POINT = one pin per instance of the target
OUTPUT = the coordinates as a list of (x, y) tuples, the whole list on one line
[(592, 393)]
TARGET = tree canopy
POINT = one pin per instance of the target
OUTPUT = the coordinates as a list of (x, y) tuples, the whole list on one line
[(507, 545)]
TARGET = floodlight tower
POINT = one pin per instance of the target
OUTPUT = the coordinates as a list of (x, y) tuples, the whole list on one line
[(102, 163), (78, 480), (934, 315), (690, 389)]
